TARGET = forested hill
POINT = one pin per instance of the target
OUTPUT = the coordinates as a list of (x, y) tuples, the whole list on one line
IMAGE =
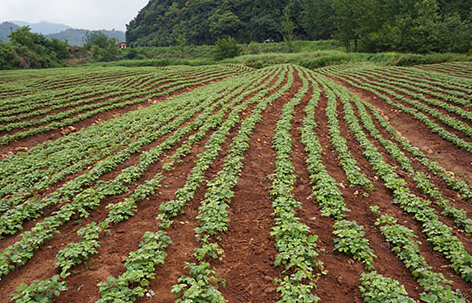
[(367, 25), (204, 21)]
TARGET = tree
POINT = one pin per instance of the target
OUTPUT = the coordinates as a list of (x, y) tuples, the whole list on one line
[(102, 47), (346, 22), (455, 34), (317, 18), (36, 51), (287, 29), (425, 32), (181, 40), (224, 25), (7, 56), (226, 48)]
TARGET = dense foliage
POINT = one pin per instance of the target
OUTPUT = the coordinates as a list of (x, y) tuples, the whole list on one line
[(420, 26), (103, 48), (226, 48), (205, 21), (30, 50)]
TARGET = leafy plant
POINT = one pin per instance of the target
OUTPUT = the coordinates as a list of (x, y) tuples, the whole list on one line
[(226, 48), (39, 291)]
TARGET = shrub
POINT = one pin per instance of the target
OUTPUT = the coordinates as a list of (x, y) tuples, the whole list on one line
[(226, 48)]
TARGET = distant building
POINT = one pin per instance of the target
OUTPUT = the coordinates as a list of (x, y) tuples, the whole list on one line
[(122, 45)]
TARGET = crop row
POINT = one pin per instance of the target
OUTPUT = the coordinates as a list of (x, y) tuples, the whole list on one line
[(75, 253), (109, 103), (33, 177), (179, 111), (434, 127), (295, 246), (94, 109), (349, 235), (102, 189), (198, 284), (419, 178), (438, 233), (436, 87), (413, 98)]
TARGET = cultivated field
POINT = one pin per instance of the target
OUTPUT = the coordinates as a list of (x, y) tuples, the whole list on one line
[(222, 183)]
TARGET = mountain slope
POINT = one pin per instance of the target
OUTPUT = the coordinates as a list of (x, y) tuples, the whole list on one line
[(5, 29), (76, 37), (43, 27), (160, 22)]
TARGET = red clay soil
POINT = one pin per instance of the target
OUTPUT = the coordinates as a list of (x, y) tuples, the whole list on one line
[(438, 262), (453, 196), (247, 264), (9, 239), (125, 96), (451, 71), (436, 86), (132, 160), (248, 261), (106, 177), (435, 259), (382, 197), (437, 149), (342, 277), (77, 97), (448, 128), (126, 236), (448, 192), (182, 233), (35, 268), (343, 271), (90, 79)]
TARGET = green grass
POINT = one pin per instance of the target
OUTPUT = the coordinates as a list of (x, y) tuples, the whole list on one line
[(310, 54), (323, 58)]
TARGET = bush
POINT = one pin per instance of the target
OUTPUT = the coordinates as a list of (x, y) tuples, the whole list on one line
[(30, 50), (102, 47), (252, 49), (226, 48), (7, 56)]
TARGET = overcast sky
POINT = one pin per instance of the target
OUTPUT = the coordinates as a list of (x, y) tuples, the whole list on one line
[(84, 14)]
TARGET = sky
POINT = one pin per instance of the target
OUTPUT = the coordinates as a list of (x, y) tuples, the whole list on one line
[(83, 14)]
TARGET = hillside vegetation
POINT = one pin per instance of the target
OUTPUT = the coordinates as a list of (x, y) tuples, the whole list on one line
[(418, 26)]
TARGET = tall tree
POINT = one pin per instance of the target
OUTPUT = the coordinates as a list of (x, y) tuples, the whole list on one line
[(317, 18), (347, 22), (287, 29)]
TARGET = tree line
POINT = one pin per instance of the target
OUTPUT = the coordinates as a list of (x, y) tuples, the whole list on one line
[(419, 26), (30, 50)]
